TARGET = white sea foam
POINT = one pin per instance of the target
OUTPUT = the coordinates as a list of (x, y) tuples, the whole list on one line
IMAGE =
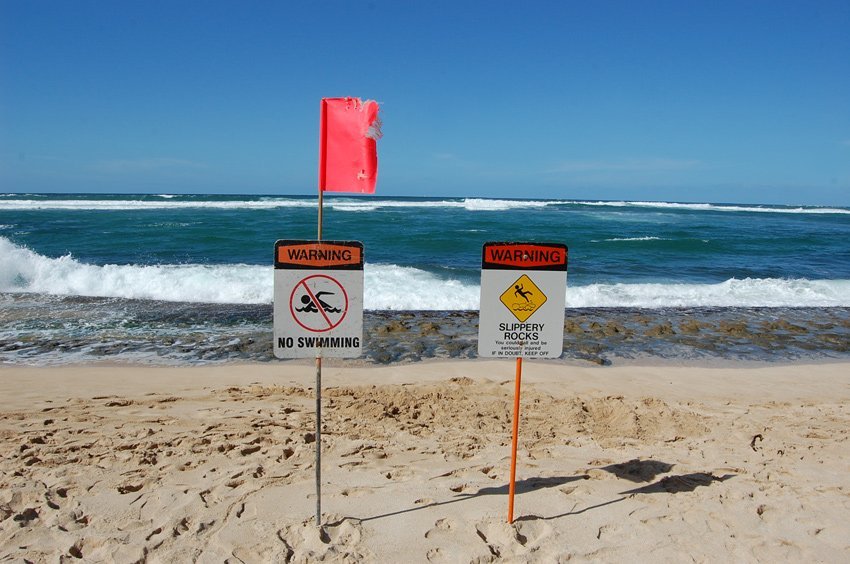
[(173, 201), (387, 287), (621, 239), (22, 270), (469, 204), (400, 287), (747, 292), (717, 207), (113, 205), (168, 201), (481, 204), (352, 207)]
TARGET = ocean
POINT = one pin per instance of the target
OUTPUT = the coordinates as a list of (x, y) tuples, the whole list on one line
[(189, 278)]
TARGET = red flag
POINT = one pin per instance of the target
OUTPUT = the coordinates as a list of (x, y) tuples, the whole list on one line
[(348, 155)]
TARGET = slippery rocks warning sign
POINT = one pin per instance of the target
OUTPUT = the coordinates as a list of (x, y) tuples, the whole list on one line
[(318, 299), (523, 293)]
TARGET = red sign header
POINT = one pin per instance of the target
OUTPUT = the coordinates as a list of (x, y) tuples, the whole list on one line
[(534, 256), (319, 254)]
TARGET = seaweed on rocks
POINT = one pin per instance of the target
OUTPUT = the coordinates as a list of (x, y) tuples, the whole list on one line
[(41, 329)]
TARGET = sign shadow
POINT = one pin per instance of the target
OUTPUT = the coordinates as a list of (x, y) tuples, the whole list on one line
[(680, 483), (570, 512), (637, 470), (521, 486), (641, 471)]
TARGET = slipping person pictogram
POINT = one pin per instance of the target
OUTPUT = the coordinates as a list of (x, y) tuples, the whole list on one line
[(523, 297), (519, 291), (311, 307)]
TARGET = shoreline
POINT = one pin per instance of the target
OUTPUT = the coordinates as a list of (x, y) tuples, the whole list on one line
[(298, 364), (50, 330)]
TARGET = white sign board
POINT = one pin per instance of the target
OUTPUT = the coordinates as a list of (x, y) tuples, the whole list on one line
[(523, 294), (318, 299)]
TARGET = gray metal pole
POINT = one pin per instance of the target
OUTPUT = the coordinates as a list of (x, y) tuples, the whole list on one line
[(319, 400), (319, 441)]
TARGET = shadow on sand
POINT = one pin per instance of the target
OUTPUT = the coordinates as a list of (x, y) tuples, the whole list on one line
[(521, 486), (679, 484), (634, 471), (644, 471)]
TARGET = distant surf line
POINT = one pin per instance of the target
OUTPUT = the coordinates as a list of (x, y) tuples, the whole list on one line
[(176, 201)]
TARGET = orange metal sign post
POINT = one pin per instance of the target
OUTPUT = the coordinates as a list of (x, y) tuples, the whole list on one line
[(514, 439)]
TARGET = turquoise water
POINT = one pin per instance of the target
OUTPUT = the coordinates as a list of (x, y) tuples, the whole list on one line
[(425, 253)]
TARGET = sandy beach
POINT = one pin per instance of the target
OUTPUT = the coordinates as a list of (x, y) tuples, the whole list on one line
[(630, 462)]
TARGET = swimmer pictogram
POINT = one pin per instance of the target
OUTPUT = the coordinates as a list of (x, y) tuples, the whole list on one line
[(523, 298), (318, 303), (310, 303)]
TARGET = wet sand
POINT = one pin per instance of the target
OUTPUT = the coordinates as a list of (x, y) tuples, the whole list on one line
[(50, 330)]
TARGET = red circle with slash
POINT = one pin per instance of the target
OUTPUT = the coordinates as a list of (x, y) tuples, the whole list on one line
[(320, 305)]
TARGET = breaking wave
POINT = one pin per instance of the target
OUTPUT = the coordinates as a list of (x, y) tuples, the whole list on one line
[(386, 287)]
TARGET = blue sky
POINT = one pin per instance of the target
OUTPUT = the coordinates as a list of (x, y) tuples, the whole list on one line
[(743, 101)]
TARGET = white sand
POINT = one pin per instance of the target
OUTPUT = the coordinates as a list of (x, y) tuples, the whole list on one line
[(625, 463)]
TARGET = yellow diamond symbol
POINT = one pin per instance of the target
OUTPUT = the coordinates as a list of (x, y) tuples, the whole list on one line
[(523, 298)]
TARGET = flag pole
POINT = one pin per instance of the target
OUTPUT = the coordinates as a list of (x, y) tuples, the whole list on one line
[(319, 440), (319, 405), (322, 152)]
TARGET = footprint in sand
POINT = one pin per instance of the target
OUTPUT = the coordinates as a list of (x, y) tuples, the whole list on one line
[(55, 497), (463, 488), (399, 473), (487, 532), (76, 550), (504, 540), (181, 527), (344, 534), (251, 449), (129, 488), (26, 516), (119, 403), (355, 492), (489, 472), (441, 526), (5, 512), (153, 533), (339, 541), (352, 464), (435, 555), (531, 533)]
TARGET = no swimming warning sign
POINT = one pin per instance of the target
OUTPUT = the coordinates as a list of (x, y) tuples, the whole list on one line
[(318, 299), (523, 293)]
